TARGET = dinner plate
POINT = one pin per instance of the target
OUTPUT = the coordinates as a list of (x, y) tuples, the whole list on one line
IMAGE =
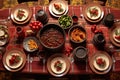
[(30, 44), (15, 67), (54, 11), (112, 35), (20, 14), (97, 69), (64, 63), (95, 15), (4, 36), (106, 60), (25, 12), (93, 19)]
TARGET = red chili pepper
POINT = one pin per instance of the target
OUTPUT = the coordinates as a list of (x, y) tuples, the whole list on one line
[(93, 28), (98, 31)]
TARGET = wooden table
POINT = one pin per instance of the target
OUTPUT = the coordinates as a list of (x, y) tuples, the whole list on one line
[(37, 66)]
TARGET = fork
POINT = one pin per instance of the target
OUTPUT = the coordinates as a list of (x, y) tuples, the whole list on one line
[(113, 58), (44, 60), (81, 10), (28, 61), (31, 60)]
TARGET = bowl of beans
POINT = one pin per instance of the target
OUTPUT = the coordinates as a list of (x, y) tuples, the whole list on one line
[(52, 37), (77, 34)]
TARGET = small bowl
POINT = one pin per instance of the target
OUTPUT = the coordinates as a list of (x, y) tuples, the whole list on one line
[(75, 19), (65, 21), (77, 34), (52, 37), (80, 53)]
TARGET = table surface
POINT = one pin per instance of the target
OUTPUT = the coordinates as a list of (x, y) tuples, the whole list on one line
[(37, 66)]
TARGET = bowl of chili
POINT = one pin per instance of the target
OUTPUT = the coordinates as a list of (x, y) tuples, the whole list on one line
[(52, 37)]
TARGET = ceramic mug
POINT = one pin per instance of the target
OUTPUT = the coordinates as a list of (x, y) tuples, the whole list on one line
[(80, 53), (99, 40), (42, 16)]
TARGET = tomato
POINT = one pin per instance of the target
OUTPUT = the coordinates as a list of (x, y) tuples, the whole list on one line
[(100, 61), (98, 31), (117, 37)]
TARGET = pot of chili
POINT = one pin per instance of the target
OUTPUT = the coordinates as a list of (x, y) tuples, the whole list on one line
[(52, 37)]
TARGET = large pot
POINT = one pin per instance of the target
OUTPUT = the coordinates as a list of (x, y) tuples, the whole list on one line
[(52, 37)]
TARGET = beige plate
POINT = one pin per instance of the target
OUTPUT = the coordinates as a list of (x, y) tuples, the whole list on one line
[(118, 41), (26, 13), (3, 42), (95, 19), (56, 13), (106, 61), (50, 65), (112, 39)]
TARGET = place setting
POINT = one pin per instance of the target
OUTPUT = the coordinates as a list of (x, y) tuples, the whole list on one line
[(93, 12), (101, 62), (14, 60), (21, 14), (58, 65), (4, 35), (115, 35), (58, 8)]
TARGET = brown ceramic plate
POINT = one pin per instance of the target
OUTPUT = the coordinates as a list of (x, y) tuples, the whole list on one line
[(112, 36), (27, 14), (99, 70), (93, 19), (4, 35), (51, 65), (19, 65), (54, 12)]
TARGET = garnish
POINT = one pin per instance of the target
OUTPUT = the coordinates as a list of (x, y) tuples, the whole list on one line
[(58, 65), (93, 12), (21, 14), (100, 62), (14, 59), (117, 34), (58, 7), (3, 34)]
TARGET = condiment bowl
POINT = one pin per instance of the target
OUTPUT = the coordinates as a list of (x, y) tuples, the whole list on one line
[(77, 34), (65, 21)]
